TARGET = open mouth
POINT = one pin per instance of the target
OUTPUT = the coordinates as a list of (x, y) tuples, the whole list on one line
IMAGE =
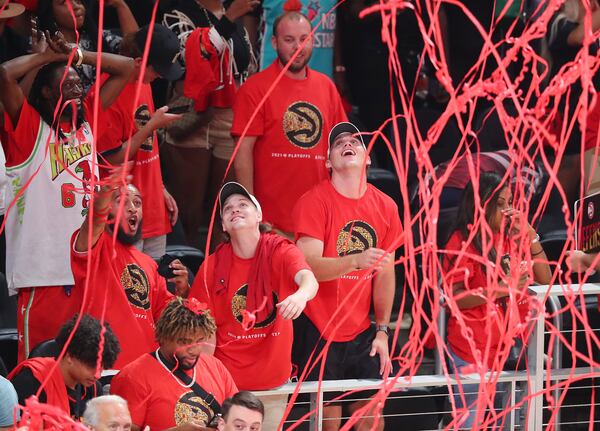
[(348, 152), (236, 218), (132, 222)]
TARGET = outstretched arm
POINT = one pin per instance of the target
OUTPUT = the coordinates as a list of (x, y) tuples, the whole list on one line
[(292, 306), (161, 118)]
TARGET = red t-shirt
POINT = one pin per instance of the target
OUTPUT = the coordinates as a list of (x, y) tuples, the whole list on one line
[(157, 399), (271, 339), (292, 127), (346, 226), (128, 282), (486, 330), (121, 121)]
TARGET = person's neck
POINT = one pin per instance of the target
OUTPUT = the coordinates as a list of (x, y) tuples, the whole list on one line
[(300, 75), (244, 244), (64, 370), (351, 184)]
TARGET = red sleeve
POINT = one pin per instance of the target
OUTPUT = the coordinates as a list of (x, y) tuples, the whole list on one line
[(200, 287), (290, 258), (79, 259), (311, 216), (246, 101), (21, 138), (134, 392)]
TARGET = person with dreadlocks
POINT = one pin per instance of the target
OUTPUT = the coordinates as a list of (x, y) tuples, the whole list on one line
[(124, 286), (259, 274), (50, 165), (71, 381), (489, 259), (178, 386)]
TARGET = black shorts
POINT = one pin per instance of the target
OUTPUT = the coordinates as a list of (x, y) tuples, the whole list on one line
[(344, 360)]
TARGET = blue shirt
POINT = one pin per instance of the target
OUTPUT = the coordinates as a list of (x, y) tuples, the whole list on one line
[(322, 55)]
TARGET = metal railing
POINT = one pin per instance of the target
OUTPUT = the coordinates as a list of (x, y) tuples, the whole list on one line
[(533, 380)]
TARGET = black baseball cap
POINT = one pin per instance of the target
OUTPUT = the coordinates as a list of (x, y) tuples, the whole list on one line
[(233, 188), (164, 51), (343, 127)]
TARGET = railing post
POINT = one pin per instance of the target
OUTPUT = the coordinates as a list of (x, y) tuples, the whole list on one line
[(316, 405), (536, 371), (512, 404), (554, 304)]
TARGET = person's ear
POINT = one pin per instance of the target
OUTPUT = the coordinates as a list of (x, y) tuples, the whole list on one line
[(220, 424), (274, 43), (328, 164), (368, 160)]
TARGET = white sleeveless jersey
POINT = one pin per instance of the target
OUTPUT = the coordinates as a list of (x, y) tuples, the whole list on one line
[(50, 208)]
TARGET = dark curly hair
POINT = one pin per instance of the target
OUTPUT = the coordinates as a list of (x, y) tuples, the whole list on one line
[(85, 344)]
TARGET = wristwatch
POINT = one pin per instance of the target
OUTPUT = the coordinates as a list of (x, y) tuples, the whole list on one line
[(383, 328)]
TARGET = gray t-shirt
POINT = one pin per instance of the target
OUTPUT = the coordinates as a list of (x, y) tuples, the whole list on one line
[(8, 402)]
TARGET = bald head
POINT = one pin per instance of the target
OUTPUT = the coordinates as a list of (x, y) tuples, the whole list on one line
[(293, 16)]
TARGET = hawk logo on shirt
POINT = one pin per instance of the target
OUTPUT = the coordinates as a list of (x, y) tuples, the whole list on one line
[(142, 116), (303, 124), (137, 288), (191, 408), (238, 303), (355, 237)]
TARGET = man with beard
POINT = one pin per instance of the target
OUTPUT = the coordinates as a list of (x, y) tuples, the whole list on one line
[(178, 386), (123, 285), (282, 153), (50, 165)]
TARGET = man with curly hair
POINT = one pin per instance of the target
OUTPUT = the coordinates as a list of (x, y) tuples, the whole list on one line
[(71, 381), (178, 386)]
